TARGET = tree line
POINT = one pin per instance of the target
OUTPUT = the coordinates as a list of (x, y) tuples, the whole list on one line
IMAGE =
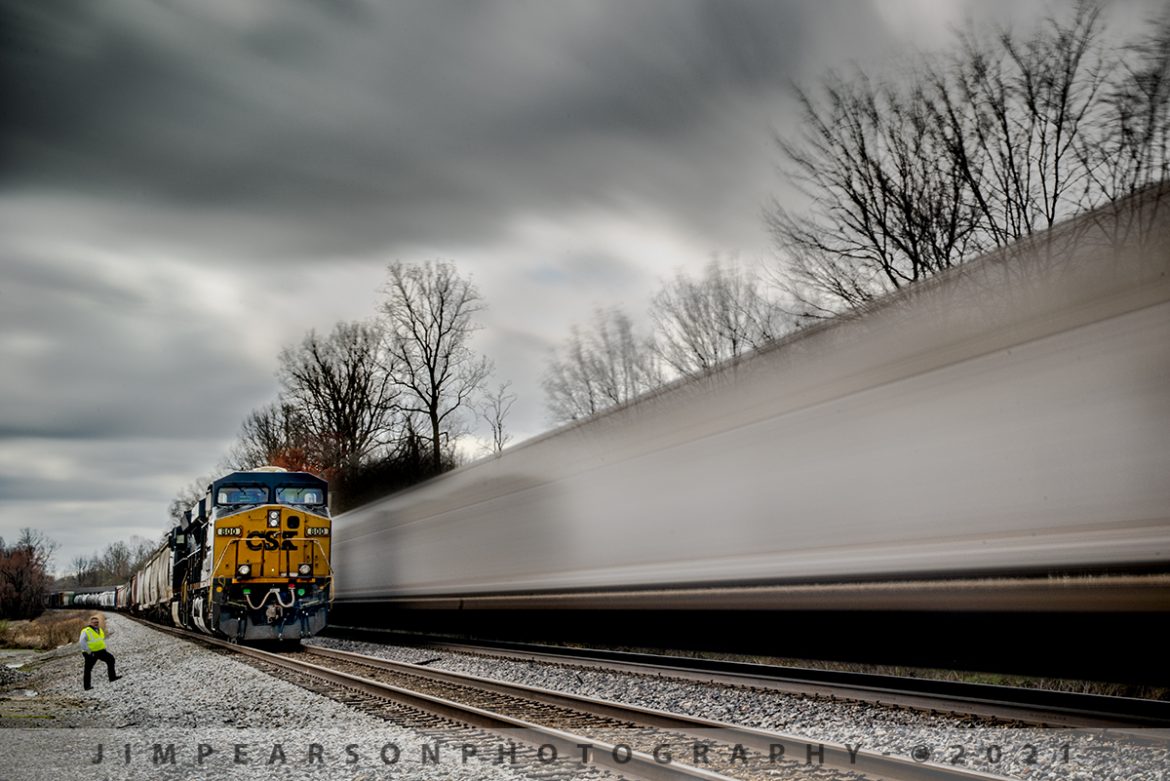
[(111, 566), (967, 151), (377, 404), (24, 574), (26, 578), (905, 174), (697, 323)]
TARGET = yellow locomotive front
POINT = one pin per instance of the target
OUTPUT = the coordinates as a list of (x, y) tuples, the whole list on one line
[(264, 572)]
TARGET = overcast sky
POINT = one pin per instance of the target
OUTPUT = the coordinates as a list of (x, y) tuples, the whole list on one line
[(188, 186)]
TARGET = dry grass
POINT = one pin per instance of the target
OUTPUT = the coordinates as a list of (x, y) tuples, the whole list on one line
[(51, 629)]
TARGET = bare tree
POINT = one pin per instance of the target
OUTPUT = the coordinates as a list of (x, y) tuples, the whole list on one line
[(1130, 148), (339, 397), (78, 569), (494, 411), (115, 562), (24, 574), (599, 368), (1014, 111), (966, 153), (887, 207), (140, 550), (428, 312), (278, 435), (186, 497), (699, 323)]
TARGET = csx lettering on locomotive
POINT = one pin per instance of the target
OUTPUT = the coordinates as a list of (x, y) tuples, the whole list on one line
[(271, 541)]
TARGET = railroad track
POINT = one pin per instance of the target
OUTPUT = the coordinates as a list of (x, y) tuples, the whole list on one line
[(570, 733), (1039, 707)]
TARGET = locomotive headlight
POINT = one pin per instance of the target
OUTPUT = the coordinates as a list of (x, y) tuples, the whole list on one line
[(274, 517), (244, 570), (305, 569)]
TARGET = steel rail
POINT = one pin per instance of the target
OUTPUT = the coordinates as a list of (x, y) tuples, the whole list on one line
[(603, 754), (600, 753), (1034, 706), (835, 755)]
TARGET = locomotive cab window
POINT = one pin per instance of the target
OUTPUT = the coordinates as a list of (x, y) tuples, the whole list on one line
[(300, 495), (241, 494)]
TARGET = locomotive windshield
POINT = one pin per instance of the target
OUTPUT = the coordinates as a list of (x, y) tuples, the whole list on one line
[(242, 494), (299, 494)]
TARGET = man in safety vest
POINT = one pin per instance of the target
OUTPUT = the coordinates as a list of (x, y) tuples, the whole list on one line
[(93, 647)]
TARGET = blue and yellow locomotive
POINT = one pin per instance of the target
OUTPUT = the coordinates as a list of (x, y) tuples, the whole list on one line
[(251, 560)]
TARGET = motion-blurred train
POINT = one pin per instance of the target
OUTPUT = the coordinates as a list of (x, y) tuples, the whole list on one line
[(996, 438), (250, 562)]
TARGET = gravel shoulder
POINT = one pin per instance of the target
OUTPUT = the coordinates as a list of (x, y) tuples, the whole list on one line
[(182, 711), (1010, 750), (185, 712)]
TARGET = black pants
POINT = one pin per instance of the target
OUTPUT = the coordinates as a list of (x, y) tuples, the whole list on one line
[(91, 659)]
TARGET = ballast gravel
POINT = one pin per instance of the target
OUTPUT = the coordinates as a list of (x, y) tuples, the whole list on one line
[(10, 676), (182, 711), (1009, 750)]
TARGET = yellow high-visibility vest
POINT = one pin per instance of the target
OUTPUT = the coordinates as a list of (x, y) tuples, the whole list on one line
[(96, 640)]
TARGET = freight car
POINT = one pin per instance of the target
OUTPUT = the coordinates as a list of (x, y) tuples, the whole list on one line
[(151, 587), (996, 438)]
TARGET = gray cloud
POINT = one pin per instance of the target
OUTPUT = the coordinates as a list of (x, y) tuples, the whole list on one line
[(338, 128), (88, 354)]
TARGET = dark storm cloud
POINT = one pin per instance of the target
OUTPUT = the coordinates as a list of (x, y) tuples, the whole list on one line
[(310, 127), (93, 356)]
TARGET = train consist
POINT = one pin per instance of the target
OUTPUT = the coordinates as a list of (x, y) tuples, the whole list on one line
[(103, 597), (250, 561), (974, 471), (996, 438)]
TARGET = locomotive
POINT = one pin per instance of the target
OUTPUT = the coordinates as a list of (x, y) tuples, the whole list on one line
[(249, 562)]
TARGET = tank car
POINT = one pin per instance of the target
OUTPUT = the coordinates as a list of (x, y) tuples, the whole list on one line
[(92, 596), (251, 561)]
